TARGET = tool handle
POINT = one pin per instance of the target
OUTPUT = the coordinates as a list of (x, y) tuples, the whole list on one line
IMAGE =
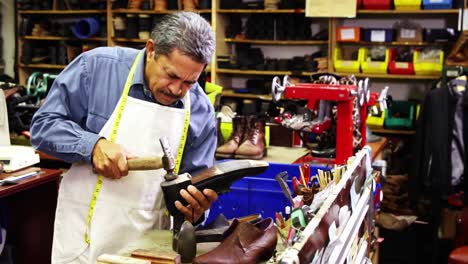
[(147, 163)]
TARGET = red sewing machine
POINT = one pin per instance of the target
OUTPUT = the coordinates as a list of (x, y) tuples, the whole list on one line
[(344, 96)]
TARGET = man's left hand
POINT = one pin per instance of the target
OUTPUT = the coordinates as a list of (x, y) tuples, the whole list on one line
[(198, 202)]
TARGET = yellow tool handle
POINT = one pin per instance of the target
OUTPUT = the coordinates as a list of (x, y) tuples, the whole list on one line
[(147, 163)]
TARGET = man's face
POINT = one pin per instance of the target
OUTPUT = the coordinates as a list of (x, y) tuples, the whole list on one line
[(170, 77)]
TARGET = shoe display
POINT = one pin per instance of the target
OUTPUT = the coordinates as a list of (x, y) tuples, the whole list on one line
[(131, 30), (189, 5), (134, 4), (253, 145), (144, 25), (119, 26), (244, 243), (228, 149), (160, 5), (226, 114)]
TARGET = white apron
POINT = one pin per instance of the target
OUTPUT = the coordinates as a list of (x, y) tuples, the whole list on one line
[(125, 208)]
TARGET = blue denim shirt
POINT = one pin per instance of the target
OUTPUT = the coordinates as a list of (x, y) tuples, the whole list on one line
[(84, 95)]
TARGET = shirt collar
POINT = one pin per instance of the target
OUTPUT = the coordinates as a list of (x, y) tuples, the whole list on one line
[(139, 79)]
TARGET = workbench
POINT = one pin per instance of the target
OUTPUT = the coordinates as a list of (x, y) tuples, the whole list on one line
[(30, 212)]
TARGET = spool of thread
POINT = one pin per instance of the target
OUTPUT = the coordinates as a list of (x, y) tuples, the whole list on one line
[(85, 28)]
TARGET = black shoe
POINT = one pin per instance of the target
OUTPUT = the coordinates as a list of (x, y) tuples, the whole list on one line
[(131, 30)]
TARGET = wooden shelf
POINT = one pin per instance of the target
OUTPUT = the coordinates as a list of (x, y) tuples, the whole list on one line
[(60, 38), (154, 12), (391, 76), (43, 66), (261, 11), (129, 40), (61, 12), (413, 12), (230, 93), (277, 42), (393, 43), (254, 72), (392, 131)]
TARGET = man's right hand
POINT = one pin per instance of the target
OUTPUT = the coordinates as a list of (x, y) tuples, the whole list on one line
[(110, 159)]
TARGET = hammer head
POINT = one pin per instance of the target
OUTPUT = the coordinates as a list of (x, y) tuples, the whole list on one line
[(168, 159)]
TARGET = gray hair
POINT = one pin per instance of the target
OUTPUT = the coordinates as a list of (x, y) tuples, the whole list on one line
[(188, 32)]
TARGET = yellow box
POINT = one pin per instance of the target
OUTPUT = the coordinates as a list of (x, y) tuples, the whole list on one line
[(226, 130), (374, 66), (407, 4), (422, 67), (342, 65), (374, 121)]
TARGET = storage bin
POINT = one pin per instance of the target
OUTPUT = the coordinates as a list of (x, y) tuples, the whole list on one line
[(396, 67), (377, 4), (376, 120), (257, 194), (440, 34), (359, 4), (422, 67), (400, 115), (347, 66), (348, 34), (437, 4), (378, 35), (409, 35), (407, 4), (368, 66)]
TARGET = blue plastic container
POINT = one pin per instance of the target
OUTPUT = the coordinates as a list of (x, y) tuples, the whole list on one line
[(257, 194), (437, 4)]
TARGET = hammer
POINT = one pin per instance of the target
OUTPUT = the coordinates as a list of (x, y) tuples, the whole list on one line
[(166, 162)]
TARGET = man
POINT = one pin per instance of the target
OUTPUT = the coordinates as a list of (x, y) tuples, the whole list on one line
[(112, 104)]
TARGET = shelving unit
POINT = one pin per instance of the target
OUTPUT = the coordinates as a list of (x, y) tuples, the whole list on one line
[(219, 19), (392, 131)]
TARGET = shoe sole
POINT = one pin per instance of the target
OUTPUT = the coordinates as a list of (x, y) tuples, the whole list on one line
[(258, 157), (224, 156)]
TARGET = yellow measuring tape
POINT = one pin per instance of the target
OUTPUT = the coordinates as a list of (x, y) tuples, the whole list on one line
[(120, 108)]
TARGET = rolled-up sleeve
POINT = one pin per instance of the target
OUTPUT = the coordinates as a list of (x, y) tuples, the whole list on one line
[(57, 128)]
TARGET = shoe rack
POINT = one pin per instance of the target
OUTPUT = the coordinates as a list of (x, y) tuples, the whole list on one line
[(60, 11), (225, 46)]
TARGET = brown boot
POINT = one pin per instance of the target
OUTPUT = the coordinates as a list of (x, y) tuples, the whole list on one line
[(160, 5), (253, 146), (134, 4), (190, 5), (228, 149)]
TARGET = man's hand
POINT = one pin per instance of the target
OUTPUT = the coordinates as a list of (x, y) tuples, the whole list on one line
[(110, 159), (198, 202)]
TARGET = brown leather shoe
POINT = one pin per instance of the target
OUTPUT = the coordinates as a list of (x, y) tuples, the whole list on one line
[(253, 146), (190, 5), (228, 149), (246, 243), (160, 5), (134, 4)]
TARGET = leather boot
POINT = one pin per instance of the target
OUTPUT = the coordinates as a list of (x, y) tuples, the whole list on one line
[(160, 5), (218, 130), (134, 4), (253, 146), (245, 243), (228, 149), (190, 5)]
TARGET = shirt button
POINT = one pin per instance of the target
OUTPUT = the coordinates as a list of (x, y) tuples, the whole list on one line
[(83, 151)]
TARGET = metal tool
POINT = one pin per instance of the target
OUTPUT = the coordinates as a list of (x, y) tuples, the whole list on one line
[(281, 178)]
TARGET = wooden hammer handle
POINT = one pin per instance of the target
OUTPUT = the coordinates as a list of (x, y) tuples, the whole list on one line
[(147, 163)]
